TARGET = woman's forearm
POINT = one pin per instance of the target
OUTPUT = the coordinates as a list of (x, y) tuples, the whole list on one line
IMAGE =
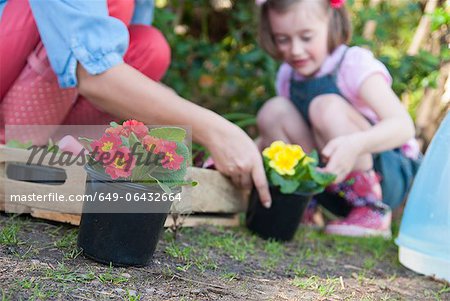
[(126, 93)]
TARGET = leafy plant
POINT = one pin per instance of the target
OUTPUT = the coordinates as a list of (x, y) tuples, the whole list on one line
[(133, 152), (288, 167)]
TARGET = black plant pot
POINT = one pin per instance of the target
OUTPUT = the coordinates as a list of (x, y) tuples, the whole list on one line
[(120, 239), (281, 220)]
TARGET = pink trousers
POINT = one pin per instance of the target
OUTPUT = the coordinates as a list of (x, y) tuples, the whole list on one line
[(29, 91)]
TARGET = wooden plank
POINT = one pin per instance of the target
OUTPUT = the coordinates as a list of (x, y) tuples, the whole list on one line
[(73, 219)]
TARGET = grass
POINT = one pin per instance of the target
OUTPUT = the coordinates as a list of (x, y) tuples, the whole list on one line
[(438, 295), (111, 277), (68, 240), (275, 253), (8, 235), (312, 262), (64, 274), (241, 245), (179, 252), (36, 290), (132, 297), (230, 243), (297, 269), (68, 244), (325, 287), (230, 276)]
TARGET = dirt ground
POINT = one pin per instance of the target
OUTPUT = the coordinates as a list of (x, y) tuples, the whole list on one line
[(39, 260)]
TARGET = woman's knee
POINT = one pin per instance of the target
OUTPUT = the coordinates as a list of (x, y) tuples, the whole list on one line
[(149, 51), (122, 10)]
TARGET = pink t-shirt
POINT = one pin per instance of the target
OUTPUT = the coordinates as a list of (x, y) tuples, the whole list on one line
[(357, 66)]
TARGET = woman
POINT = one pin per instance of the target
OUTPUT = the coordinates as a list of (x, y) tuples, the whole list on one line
[(88, 62)]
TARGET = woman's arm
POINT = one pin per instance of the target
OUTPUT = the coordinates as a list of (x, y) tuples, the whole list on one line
[(125, 92)]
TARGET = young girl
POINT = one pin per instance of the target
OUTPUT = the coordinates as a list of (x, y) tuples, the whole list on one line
[(337, 99)]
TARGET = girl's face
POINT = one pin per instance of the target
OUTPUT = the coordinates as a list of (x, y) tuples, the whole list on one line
[(301, 36)]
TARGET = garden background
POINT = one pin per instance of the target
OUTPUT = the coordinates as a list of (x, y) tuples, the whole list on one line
[(216, 61)]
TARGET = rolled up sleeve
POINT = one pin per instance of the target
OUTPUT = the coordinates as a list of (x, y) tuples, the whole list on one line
[(79, 31)]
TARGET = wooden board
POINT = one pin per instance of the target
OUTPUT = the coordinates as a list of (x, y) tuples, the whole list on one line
[(214, 193)]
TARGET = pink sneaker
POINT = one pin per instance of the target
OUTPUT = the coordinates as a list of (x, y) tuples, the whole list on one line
[(363, 221)]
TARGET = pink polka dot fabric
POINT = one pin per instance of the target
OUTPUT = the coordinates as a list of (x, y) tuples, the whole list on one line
[(32, 105), (35, 99)]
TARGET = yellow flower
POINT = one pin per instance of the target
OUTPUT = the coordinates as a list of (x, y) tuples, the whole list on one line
[(284, 163), (295, 151), (107, 146), (285, 157), (275, 148)]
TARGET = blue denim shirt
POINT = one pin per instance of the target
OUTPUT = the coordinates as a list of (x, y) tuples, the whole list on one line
[(82, 31)]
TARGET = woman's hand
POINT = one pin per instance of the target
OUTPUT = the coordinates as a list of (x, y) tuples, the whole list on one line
[(341, 154), (237, 156)]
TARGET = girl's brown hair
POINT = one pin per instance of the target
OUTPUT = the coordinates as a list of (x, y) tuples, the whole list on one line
[(339, 31)]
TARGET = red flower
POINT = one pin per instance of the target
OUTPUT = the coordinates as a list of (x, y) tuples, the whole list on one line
[(106, 144), (165, 146), (337, 3), (121, 164), (137, 127), (172, 161), (148, 141), (118, 131)]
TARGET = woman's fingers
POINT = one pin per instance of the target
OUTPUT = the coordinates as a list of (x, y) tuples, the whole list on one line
[(260, 181)]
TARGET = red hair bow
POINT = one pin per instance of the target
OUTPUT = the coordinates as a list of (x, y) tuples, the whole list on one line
[(337, 3)]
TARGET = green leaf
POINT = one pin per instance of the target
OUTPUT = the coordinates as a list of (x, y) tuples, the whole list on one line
[(113, 124), (133, 141), (301, 170), (286, 185), (310, 187), (169, 133), (18, 144), (315, 156), (162, 185), (321, 178), (125, 141)]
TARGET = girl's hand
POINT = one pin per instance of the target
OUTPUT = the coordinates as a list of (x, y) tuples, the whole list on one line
[(341, 154)]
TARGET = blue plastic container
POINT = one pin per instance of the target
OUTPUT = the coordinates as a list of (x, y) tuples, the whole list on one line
[(424, 239)]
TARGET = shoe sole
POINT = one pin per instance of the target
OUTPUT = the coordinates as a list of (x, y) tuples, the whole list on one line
[(356, 231)]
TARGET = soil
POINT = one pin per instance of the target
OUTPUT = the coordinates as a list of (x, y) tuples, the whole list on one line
[(40, 261)]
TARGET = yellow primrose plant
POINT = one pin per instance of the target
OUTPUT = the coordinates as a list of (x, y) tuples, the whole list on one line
[(292, 170)]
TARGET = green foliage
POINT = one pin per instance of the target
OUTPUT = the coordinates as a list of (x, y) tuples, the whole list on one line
[(306, 179), (169, 133), (218, 64), (8, 235)]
